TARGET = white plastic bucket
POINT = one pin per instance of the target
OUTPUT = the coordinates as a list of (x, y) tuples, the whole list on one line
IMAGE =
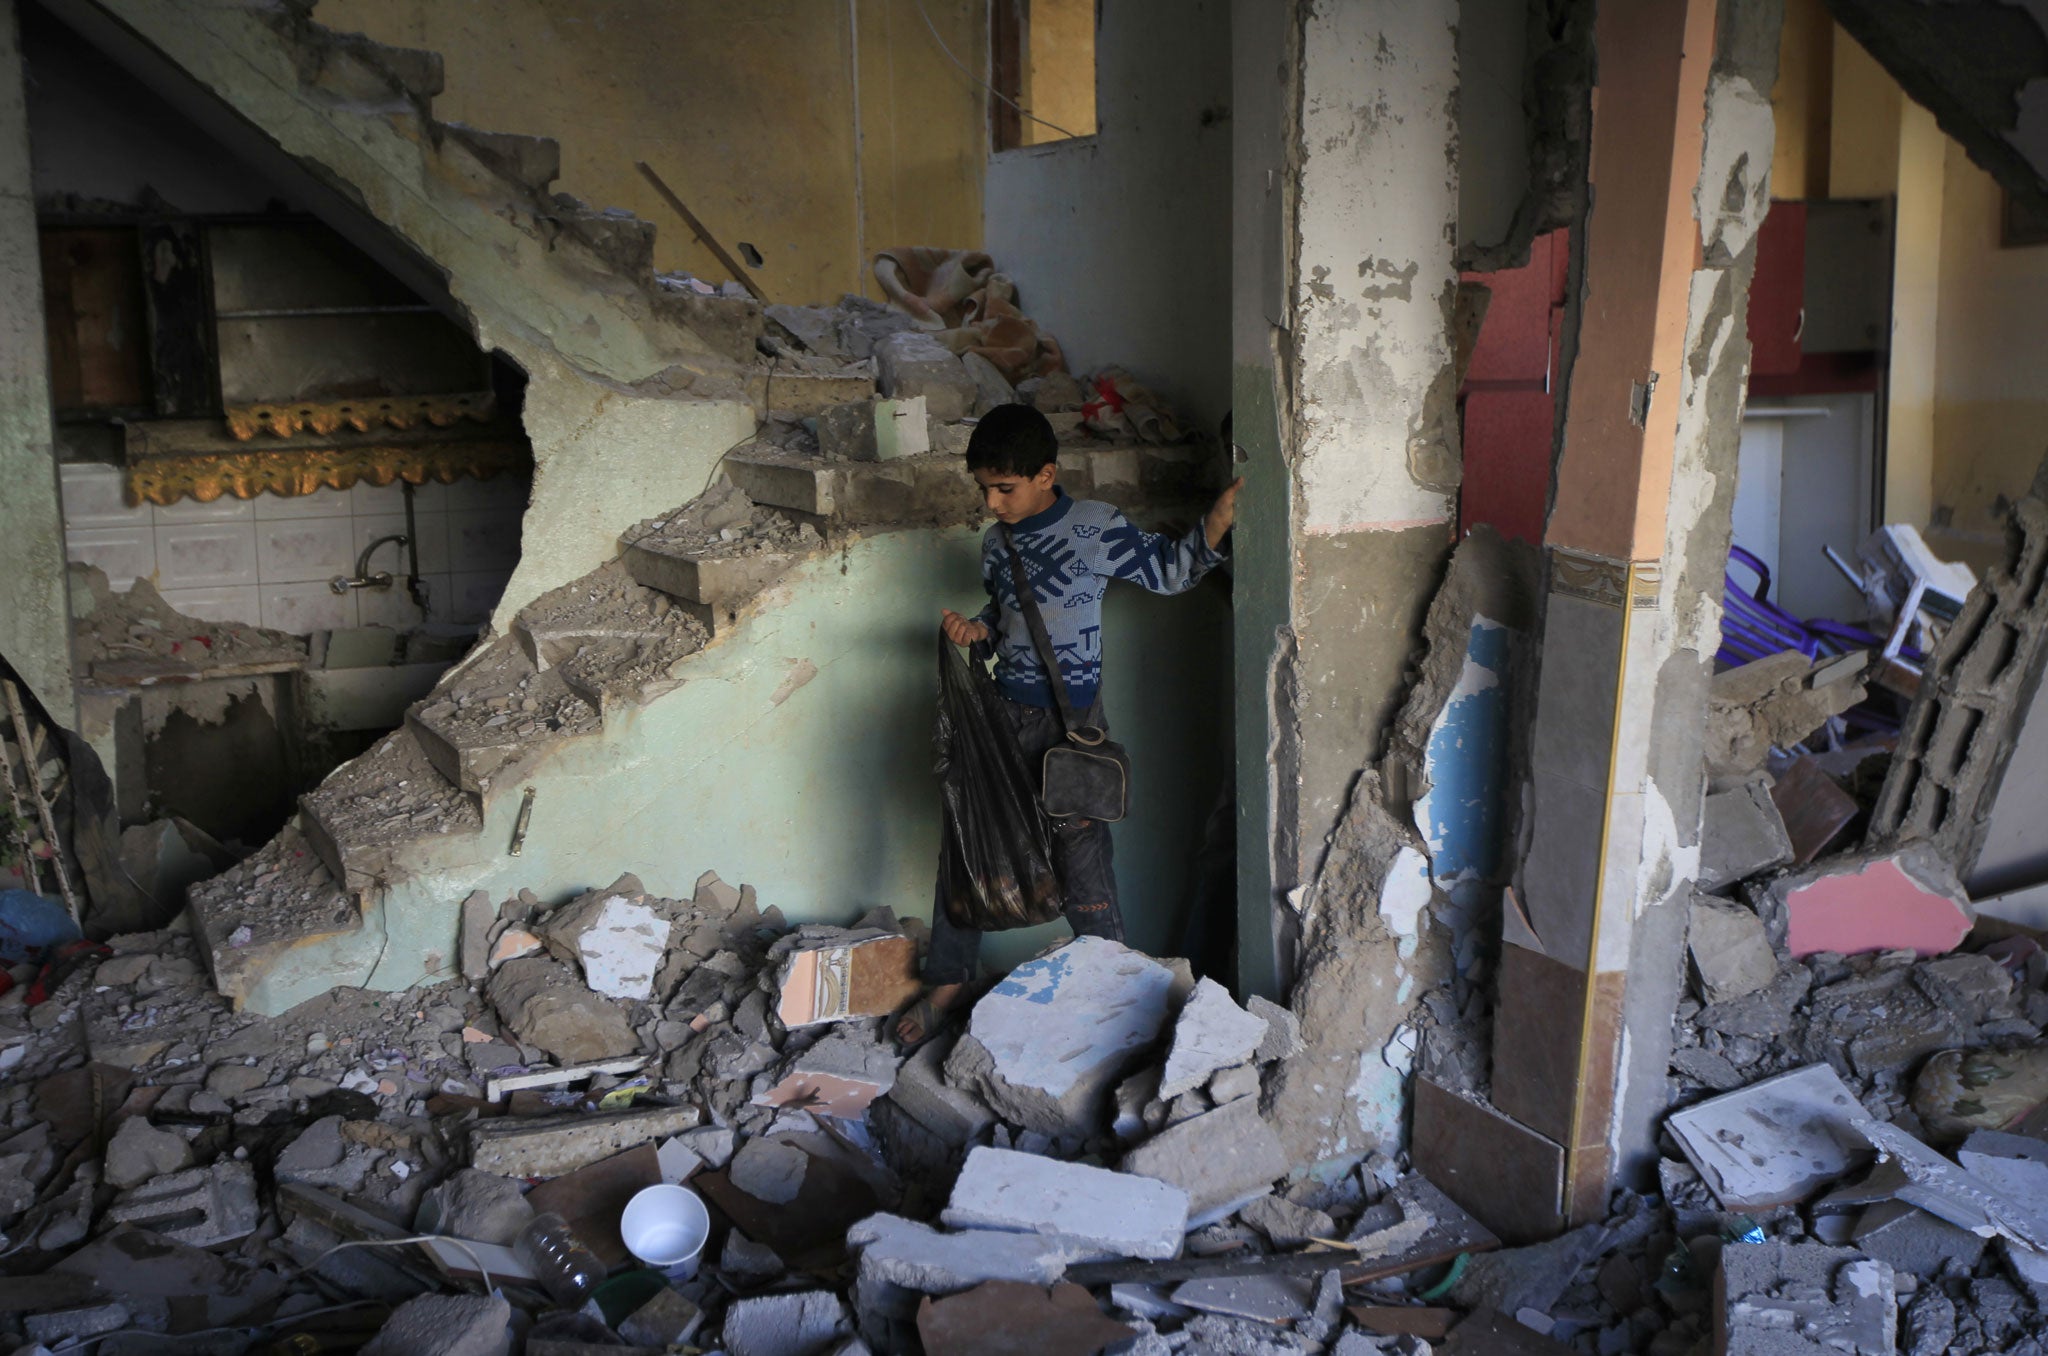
[(665, 1227)]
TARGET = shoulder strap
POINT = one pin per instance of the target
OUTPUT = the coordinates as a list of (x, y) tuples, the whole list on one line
[(1036, 624)]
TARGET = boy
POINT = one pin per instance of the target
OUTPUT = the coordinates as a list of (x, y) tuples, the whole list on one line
[(1071, 549)]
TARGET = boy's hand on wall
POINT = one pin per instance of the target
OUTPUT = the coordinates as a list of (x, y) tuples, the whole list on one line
[(1222, 514), (961, 630)]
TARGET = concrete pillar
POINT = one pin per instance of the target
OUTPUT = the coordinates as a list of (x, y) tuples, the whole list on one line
[(35, 623), (1636, 545), (1345, 205)]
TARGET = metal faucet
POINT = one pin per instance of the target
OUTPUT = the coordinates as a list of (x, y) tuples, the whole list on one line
[(363, 579)]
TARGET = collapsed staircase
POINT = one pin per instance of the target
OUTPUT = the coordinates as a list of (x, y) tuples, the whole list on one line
[(583, 657)]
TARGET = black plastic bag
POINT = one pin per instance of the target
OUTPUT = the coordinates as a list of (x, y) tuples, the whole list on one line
[(996, 859)]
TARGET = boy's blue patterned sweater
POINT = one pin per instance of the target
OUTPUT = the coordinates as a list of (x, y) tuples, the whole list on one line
[(1071, 552)]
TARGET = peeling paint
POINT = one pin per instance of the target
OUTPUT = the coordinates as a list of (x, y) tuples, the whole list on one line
[(1405, 896)]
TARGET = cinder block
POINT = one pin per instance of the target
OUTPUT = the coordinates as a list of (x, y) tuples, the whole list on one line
[(201, 1206)]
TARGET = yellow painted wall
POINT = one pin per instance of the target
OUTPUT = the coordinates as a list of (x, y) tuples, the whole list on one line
[(1059, 70), (1991, 415), (817, 131), (1916, 354), (1801, 102), (1863, 129)]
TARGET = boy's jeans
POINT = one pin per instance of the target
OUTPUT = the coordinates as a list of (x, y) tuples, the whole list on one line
[(1080, 858)]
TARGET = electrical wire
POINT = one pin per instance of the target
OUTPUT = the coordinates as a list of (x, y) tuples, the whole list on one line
[(934, 31), (767, 392), (482, 1270)]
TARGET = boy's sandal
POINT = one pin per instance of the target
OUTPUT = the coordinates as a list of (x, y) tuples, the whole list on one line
[(930, 1019)]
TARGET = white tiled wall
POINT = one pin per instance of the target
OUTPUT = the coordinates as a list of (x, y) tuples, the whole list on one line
[(267, 561)]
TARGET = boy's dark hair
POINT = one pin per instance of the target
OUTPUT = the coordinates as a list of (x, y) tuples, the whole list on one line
[(1014, 440)]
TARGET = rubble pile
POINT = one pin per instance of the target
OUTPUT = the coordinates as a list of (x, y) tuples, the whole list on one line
[(1081, 1157), (139, 626)]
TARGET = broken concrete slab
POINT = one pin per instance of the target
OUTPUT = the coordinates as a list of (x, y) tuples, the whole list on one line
[(913, 1256), (1741, 835), (1005, 1317), (1285, 1224), (1121, 1213), (200, 1206), (479, 917), (923, 1093), (1212, 1033), (139, 1151), (1730, 951), (1777, 1297), (915, 364), (549, 1146), (1914, 1242), (1775, 1142), (806, 1323), (1047, 1044), (323, 1156), (1222, 1159), (1265, 1299), (1981, 1204), (445, 1325), (834, 982), (1907, 899), (478, 1206), (547, 1007)]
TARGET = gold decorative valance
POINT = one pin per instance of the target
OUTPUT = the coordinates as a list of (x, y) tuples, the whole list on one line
[(290, 418), (207, 476)]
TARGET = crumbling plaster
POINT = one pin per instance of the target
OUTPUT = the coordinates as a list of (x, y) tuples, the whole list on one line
[(35, 625), (1672, 645), (796, 756)]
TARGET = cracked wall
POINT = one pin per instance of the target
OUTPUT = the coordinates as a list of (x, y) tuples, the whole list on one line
[(35, 626)]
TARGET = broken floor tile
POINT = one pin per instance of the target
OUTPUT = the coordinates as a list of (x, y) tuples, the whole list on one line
[(840, 1076), (1265, 1299), (1119, 1213), (1004, 1317), (834, 982), (770, 1170), (1775, 1142), (1787, 1298), (1221, 1159), (1212, 1033), (1908, 898), (1047, 1044)]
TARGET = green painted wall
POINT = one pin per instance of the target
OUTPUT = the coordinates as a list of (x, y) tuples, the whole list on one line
[(824, 800)]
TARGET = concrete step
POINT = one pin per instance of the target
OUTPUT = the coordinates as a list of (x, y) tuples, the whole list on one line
[(807, 393), (278, 900), (532, 163), (372, 810), (611, 638), (709, 578), (622, 240), (499, 716), (929, 490), (350, 68)]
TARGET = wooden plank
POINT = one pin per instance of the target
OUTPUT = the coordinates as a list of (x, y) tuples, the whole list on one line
[(497, 1088), (1390, 1251), (702, 232)]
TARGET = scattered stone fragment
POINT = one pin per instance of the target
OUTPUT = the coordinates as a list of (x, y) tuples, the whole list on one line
[(922, 1091), (769, 1170), (840, 1076), (444, 1325), (1212, 1033), (513, 944), (1914, 1242), (1230, 1084), (477, 1206), (1283, 1030), (67, 1325), (1119, 1213), (547, 1007), (200, 1206), (1222, 1159), (1285, 1224), (915, 364), (1047, 1044), (666, 1320), (917, 1257), (801, 1324), (322, 1156), (1062, 1319), (1731, 955), (139, 1151), (479, 916), (1741, 835), (617, 938), (1833, 1299)]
